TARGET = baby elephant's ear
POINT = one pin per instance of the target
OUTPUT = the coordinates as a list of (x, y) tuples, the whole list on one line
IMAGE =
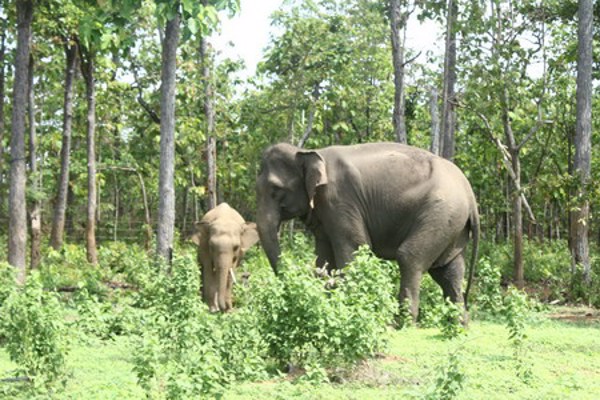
[(199, 233), (249, 235)]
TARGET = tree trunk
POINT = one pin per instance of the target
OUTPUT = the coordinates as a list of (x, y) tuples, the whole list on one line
[(435, 121), (448, 95), (517, 206), (2, 93), (87, 70), (516, 196), (583, 142), (58, 221), (311, 115), (209, 115), (17, 225), (35, 215), (398, 25), (166, 185)]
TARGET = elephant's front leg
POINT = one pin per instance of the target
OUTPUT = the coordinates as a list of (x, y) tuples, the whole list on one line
[(325, 257), (345, 244)]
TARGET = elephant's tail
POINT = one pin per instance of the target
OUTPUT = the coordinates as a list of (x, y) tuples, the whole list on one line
[(474, 225)]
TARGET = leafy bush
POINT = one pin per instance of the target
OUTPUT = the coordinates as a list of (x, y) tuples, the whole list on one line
[(125, 262), (185, 352), (488, 291), (7, 281), (450, 379), (69, 268), (240, 345), (516, 310), (304, 322), (431, 301), (451, 319), (32, 321), (103, 319)]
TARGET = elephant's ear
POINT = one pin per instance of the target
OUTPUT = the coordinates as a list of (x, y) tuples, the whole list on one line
[(249, 235), (199, 233), (315, 173)]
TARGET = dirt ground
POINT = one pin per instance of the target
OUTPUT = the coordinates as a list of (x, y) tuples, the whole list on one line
[(584, 315)]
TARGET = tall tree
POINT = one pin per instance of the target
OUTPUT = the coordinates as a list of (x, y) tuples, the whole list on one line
[(448, 94), (435, 122), (3, 23), (209, 115), (36, 207), (166, 186), (60, 207), (505, 97), (87, 70), (583, 138), (17, 225), (398, 18)]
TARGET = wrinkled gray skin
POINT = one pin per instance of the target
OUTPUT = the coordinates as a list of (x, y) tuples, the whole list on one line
[(222, 237), (407, 204)]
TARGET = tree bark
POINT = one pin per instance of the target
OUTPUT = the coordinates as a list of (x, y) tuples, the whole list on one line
[(35, 215), (311, 115), (583, 139), (517, 196), (87, 70), (166, 185), (17, 225), (58, 221), (449, 95), (2, 94), (517, 206), (435, 122), (398, 26), (209, 115)]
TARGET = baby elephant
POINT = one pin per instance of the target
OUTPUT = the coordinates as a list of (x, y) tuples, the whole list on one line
[(222, 237)]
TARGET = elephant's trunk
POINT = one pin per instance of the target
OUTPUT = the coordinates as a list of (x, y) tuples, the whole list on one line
[(268, 219), (222, 273)]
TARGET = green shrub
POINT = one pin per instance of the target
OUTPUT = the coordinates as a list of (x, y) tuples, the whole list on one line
[(125, 262), (488, 291), (451, 319), (7, 281), (69, 268), (241, 347), (299, 316), (450, 379), (36, 336), (431, 301), (184, 351), (516, 311), (104, 319)]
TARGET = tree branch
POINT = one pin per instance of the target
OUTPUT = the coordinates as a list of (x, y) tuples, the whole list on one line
[(410, 60), (506, 161)]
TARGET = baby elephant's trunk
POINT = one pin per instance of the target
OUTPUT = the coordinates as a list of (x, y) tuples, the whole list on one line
[(222, 284)]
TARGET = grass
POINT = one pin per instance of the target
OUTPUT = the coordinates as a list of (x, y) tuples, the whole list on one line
[(563, 354), (98, 370)]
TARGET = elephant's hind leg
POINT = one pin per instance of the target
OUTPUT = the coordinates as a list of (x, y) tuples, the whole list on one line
[(450, 277)]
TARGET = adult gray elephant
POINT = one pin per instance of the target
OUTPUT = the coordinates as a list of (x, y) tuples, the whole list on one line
[(222, 237), (407, 204)]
